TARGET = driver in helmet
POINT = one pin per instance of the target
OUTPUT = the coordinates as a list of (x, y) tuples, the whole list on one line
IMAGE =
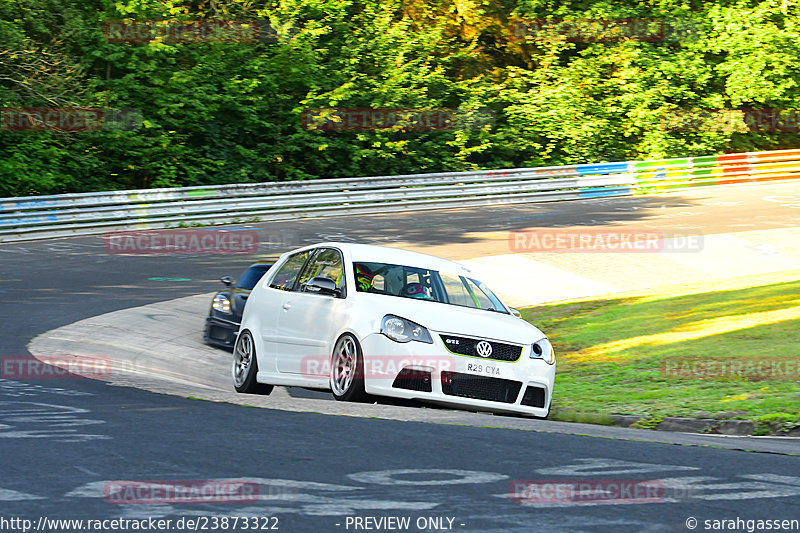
[(416, 290)]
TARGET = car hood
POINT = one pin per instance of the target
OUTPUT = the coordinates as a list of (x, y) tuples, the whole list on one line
[(446, 318)]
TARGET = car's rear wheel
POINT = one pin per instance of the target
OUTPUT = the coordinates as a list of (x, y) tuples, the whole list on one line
[(245, 366), (347, 371)]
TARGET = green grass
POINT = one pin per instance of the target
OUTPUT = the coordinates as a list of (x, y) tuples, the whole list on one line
[(611, 351)]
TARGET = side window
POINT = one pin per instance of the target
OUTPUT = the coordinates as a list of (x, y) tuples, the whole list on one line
[(286, 276), (370, 277), (456, 291), (394, 280), (483, 301), (326, 263)]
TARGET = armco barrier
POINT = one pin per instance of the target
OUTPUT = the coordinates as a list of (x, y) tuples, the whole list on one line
[(43, 217)]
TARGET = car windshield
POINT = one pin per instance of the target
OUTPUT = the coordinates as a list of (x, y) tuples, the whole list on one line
[(251, 276), (425, 284)]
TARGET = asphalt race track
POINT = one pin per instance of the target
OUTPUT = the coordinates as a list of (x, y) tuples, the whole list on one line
[(66, 441)]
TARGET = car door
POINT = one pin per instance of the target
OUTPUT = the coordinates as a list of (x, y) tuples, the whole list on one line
[(308, 320), (269, 308)]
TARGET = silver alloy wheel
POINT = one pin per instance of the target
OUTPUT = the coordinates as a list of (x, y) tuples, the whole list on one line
[(345, 365), (242, 359)]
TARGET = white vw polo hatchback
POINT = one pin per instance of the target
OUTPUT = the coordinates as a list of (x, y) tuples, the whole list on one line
[(364, 321)]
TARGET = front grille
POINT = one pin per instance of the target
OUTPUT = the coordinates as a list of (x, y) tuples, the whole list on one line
[(533, 397), (467, 346), (220, 334), (416, 380), (480, 388)]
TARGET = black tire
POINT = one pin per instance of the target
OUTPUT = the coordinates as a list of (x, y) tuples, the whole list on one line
[(347, 371), (245, 367)]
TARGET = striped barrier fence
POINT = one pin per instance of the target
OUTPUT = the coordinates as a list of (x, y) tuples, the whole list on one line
[(42, 217)]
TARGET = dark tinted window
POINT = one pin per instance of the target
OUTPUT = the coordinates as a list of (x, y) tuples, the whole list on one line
[(251, 276)]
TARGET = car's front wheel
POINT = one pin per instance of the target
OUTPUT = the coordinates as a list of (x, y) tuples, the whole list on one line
[(245, 366), (347, 371)]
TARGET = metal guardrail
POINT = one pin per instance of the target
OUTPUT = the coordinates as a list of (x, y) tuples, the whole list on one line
[(44, 217)]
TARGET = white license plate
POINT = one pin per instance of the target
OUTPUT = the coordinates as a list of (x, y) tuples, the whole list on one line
[(483, 369)]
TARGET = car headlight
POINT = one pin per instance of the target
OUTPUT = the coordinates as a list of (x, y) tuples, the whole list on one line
[(221, 304), (543, 349), (402, 330)]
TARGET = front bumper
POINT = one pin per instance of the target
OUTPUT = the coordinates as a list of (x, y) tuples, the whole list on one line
[(431, 373), (220, 332)]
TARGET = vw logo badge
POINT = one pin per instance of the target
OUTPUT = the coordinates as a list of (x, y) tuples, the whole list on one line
[(484, 349)]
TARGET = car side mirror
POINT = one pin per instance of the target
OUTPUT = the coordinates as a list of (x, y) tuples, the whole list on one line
[(515, 312), (226, 280), (322, 285)]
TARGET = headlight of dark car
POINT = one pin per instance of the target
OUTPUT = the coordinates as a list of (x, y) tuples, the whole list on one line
[(222, 304)]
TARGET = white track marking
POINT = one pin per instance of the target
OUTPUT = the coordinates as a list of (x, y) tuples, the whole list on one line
[(388, 477), (609, 467), (7, 495)]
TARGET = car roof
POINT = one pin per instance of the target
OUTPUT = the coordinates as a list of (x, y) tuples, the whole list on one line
[(372, 253), (262, 264)]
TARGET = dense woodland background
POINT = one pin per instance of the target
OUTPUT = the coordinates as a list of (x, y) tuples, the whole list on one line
[(216, 112)]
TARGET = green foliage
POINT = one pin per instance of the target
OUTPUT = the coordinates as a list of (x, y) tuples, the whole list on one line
[(775, 423), (649, 422), (230, 112), (614, 355), (570, 415)]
